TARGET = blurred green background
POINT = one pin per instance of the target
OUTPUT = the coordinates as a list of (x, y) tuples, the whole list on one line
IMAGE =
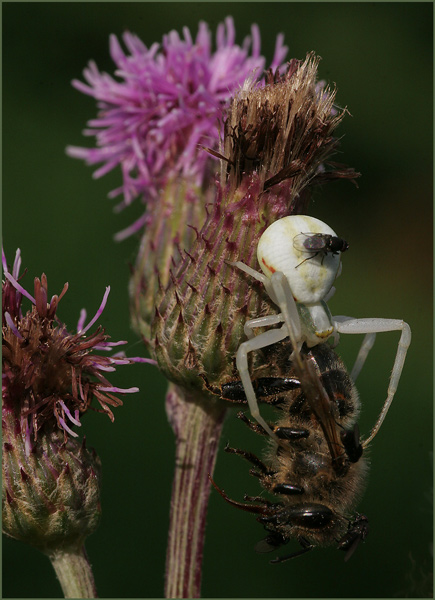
[(380, 56)]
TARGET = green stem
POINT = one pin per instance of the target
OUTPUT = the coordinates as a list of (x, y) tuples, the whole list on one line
[(197, 428), (74, 573)]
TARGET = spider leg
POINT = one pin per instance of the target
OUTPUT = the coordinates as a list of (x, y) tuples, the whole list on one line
[(260, 341), (366, 346), (287, 305), (261, 322), (280, 293), (252, 272), (256, 275), (371, 326)]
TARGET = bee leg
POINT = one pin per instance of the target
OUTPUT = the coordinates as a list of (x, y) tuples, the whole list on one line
[(283, 433), (259, 499), (211, 388), (352, 443), (249, 456), (357, 532), (253, 426), (306, 547), (288, 489)]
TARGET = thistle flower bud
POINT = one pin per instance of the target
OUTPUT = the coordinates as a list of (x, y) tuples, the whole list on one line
[(51, 481), (276, 142), (51, 497)]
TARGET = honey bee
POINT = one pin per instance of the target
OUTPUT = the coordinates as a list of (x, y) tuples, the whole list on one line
[(317, 470)]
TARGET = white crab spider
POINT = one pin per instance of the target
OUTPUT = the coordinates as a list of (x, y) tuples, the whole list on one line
[(300, 288)]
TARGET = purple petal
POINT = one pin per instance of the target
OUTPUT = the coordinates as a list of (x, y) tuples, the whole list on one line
[(118, 390), (68, 429), (69, 415), (106, 368), (109, 345), (167, 101), (81, 320), (98, 313), (280, 52), (18, 287), (12, 325), (140, 359), (4, 263), (133, 228)]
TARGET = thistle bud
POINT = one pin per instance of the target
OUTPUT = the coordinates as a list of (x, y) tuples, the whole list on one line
[(277, 139), (51, 496)]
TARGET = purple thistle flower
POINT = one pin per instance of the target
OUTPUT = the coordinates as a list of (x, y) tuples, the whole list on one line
[(166, 104), (50, 375)]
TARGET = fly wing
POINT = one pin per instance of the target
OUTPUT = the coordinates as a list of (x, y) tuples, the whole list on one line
[(309, 242)]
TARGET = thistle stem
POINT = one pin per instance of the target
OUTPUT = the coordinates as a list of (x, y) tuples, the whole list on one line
[(197, 428), (74, 573)]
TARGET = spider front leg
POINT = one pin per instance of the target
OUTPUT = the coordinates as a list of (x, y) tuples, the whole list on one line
[(261, 322), (286, 302), (256, 275), (260, 341), (278, 289), (370, 327)]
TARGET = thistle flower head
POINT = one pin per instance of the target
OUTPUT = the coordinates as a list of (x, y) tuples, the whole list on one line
[(283, 131), (167, 100), (52, 376), (51, 481)]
